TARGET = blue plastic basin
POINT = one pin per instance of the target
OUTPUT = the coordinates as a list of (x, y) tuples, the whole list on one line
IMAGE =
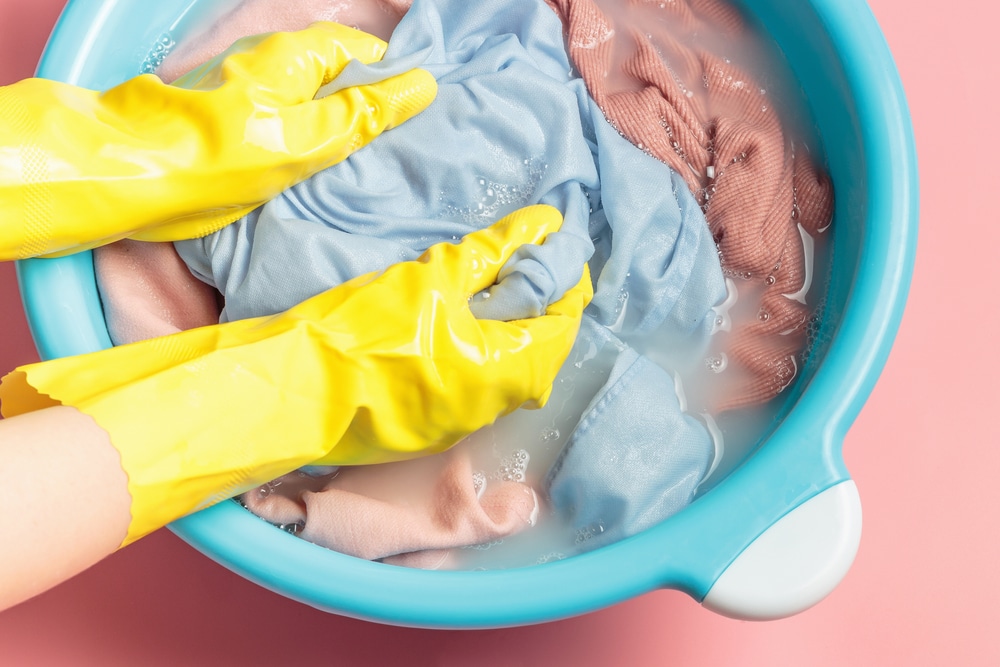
[(790, 504)]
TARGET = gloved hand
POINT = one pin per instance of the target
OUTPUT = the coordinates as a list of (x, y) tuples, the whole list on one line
[(161, 162), (381, 368)]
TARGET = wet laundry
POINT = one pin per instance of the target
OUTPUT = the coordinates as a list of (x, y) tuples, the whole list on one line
[(514, 124)]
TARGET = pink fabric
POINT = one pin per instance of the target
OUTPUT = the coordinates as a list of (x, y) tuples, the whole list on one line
[(675, 95), (251, 17), (147, 291), (410, 513)]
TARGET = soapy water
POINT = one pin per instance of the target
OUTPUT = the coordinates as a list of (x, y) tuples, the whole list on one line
[(194, 20), (523, 446), (164, 45), (520, 181)]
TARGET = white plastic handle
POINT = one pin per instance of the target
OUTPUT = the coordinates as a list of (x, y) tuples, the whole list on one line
[(796, 562)]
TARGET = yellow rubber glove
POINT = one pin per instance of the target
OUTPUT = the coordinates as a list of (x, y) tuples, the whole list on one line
[(160, 162), (384, 367)]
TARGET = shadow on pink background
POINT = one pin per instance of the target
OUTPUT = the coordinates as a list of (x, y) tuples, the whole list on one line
[(924, 453)]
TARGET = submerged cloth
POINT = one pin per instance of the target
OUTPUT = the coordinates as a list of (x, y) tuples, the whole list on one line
[(679, 95), (250, 17), (511, 126), (419, 509), (147, 291), (621, 473)]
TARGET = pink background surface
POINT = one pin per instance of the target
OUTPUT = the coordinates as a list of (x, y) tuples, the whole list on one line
[(924, 587)]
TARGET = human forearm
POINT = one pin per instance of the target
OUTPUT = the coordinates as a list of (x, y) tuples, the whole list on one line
[(65, 500)]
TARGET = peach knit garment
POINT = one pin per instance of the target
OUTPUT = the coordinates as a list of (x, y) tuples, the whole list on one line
[(673, 90), (411, 513)]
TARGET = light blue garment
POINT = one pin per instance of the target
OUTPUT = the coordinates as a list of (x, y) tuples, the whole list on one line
[(504, 131), (634, 457), (512, 126)]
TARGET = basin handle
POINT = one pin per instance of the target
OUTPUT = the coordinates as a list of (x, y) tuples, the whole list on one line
[(796, 562)]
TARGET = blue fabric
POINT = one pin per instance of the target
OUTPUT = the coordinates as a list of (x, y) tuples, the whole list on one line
[(634, 457), (512, 126)]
